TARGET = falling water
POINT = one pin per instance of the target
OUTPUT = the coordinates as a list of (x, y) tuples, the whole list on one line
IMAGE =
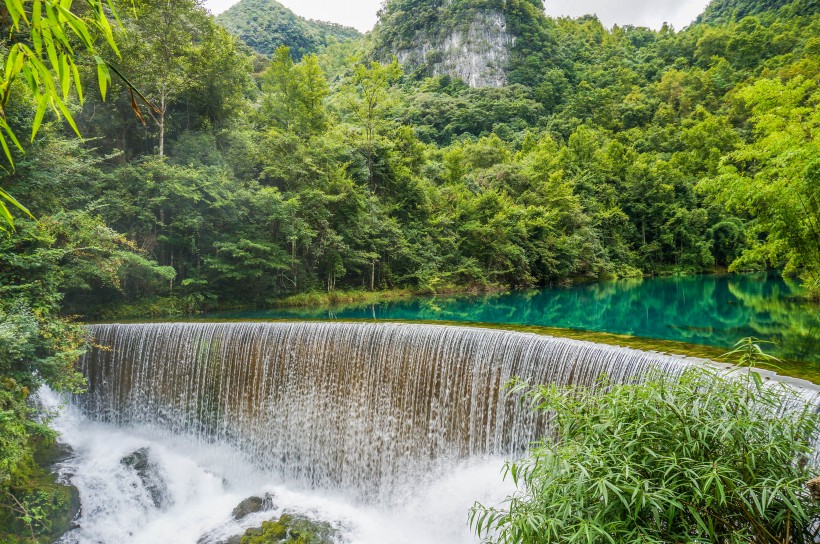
[(350, 406)]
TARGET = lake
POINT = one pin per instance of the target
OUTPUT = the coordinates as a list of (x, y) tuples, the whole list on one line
[(710, 310)]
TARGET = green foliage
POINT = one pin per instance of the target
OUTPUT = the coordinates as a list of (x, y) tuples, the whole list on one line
[(38, 49), (611, 153), (70, 253), (748, 353), (290, 530), (266, 25), (35, 348), (707, 458), (774, 177), (722, 11), (294, 94)]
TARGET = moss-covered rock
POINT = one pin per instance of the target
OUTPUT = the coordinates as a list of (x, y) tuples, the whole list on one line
[(290, 529), (51, 505)]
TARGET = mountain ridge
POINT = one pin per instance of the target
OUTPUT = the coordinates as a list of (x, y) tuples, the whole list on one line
[(264, 25)]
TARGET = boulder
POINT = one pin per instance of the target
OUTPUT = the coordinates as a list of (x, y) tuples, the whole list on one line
[(151, 476), (252, 505)]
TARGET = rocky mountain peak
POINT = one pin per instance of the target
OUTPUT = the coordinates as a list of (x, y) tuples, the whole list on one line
[(469, 39)]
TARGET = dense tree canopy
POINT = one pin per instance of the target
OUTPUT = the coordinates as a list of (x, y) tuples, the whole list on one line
[(626, 152), (265, 25)]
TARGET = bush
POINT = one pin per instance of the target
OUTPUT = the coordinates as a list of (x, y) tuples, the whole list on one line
[(713, 457)]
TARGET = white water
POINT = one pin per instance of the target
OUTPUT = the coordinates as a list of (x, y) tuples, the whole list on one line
[(388, 432), (206, 482)]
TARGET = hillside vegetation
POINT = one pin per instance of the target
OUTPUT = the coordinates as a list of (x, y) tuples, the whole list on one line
[(265, 25), (620, 152)]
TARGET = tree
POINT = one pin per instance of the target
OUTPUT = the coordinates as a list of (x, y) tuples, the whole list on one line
[(160, 45), (294, 94), (774, 177), (368, 98)]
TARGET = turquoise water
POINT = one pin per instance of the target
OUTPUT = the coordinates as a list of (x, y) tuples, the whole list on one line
[(709, 310)]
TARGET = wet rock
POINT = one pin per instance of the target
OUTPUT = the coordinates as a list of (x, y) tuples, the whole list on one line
[(209, 539), (291, 529), (252, 505), (151, 476), (51, 454)]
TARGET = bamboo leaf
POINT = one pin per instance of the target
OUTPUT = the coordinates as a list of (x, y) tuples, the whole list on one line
[(103, 76), (78, 85), (67, 114), (65, 76), (6, 150), (42, 105), (13, 201), (6, 216)]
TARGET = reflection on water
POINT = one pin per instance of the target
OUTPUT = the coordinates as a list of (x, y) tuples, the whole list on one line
[(708, 310)]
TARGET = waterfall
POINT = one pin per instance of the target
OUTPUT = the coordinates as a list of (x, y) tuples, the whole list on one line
[(351, 406)]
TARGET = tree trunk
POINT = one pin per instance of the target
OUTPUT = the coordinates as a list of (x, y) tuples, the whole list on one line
[(162, 133), (293, 263), (161, 123)]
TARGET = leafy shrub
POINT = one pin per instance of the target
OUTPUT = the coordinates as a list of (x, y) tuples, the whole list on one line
[(712, 457)]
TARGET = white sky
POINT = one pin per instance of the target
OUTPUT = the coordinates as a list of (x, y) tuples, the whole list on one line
[(361, 14)]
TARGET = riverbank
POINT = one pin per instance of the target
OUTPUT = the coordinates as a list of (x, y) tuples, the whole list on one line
[(171, 307)]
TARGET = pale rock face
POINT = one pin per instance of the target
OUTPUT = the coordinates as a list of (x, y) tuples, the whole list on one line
[(479, 55)]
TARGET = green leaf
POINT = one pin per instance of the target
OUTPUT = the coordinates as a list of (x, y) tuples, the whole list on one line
[(42, 105), (5, 196), (103, 75), (67, 115)]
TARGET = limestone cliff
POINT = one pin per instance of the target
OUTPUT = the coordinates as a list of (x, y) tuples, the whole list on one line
[(469, 39), (478, 54)]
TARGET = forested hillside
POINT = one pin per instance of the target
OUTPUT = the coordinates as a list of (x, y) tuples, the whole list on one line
[(265, 25), (735, 10), (620, 152)]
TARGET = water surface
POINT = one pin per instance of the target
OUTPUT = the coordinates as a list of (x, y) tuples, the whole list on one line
[(707, 310)]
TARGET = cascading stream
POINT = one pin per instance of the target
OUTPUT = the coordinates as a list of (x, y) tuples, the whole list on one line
[(355, 407)]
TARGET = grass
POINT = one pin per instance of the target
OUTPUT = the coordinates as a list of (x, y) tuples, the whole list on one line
[(341, 298)]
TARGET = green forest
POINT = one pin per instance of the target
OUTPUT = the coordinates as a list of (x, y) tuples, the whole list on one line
[(212, 173), (612, 153)]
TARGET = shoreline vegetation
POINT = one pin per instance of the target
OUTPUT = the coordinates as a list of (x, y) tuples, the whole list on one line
[(165, 307)]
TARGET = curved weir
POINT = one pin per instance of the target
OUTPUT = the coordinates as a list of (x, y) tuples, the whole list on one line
[(348, 406)]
